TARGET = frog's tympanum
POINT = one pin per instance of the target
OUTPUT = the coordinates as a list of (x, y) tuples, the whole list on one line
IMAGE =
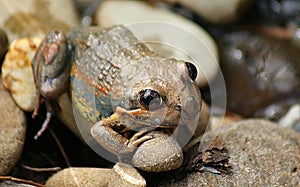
[(117, 84)]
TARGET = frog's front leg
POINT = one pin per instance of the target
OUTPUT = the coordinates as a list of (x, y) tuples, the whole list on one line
[(51, 67), (104, 133)]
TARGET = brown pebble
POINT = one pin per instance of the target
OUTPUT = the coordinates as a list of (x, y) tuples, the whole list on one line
[(121, 175), (262, 74), (12, 131), (162, 153), (31, 18), (126, 175), (80, 177), (261, 153)]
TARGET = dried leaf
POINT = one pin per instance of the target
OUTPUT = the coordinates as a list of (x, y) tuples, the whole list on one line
[(213, 158)]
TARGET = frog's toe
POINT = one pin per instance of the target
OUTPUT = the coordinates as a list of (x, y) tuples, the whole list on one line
[(136, 142), (44, 126)]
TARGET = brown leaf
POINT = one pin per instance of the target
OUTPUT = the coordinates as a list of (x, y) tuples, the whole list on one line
[(213, 158)]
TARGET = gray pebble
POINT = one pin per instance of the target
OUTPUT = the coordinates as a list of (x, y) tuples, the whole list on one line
[(261, 154), (119, 175), (80, 177), (218, 11), (162, 153), (126, 175), (12, 132), (31, 18), (291, 118)]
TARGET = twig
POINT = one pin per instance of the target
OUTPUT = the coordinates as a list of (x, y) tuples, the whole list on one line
[(41, 169), (9, 178), (62, 150)]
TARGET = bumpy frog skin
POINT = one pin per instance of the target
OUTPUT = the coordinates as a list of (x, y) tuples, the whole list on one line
[(116, 83)]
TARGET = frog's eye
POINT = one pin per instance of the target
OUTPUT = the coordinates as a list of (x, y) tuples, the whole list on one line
[(150, 99), (192, 70)]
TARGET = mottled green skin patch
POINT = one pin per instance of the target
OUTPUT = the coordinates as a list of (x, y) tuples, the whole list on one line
[(93, 74), (90, 106)]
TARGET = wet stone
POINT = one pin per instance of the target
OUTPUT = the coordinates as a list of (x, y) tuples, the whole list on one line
[(274, 12), (261, 153), (262, 74), (12, 132), (217, 11)]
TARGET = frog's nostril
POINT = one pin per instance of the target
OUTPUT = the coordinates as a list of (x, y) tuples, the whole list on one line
[(192, 70), (178, 107)]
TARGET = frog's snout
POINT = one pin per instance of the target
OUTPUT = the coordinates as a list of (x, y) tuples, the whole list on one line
[(163, 118)]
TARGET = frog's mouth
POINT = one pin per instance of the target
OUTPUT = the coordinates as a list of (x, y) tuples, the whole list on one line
[(137, 118)]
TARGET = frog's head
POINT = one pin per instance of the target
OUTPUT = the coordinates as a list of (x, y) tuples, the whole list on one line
[(161, 94)]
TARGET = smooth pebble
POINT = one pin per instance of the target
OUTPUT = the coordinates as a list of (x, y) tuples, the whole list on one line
[(120, 175), (34, 18), (162, 153), (261, 153), (217, 11), (12, 131), (17, 72)]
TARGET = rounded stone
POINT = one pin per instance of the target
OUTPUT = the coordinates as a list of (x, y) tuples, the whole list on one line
[(261, 153), (80, 177), (12, 131), (120, 175), (162, 153), (31, 18), (262, 74), (217, 11), (291, 118), (17, 73), (126, 175)]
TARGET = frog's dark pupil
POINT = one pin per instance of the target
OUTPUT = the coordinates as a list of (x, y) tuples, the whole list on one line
[(192, 70), (150, 99)]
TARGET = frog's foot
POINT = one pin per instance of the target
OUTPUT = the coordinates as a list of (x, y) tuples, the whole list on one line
[(133, 144), (37, 106), (51, 68), (113, 141), (140, 137), (44, 126), (52, 108)]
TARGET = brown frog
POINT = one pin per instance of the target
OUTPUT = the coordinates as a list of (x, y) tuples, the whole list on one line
[(118, 84)]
